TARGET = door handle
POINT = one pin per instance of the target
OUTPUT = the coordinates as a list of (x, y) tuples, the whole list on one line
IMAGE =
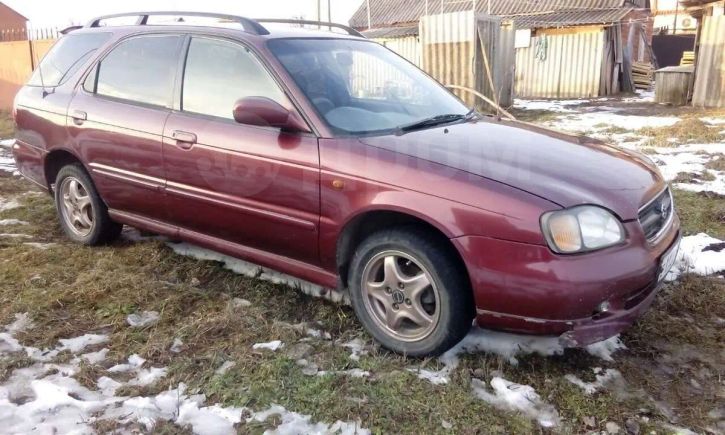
[(184, 139), (79, 117)]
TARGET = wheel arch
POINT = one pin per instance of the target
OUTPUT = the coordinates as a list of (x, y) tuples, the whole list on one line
[(369, 221), (55, 160)]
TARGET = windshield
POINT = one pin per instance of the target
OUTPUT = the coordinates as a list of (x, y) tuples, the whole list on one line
[(360, 87)]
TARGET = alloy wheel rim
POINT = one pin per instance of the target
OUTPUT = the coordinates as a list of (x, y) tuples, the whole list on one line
[(76, 206), (400, 296)]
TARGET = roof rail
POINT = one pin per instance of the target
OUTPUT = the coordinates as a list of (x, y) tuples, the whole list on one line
[(249, 25), (349, 30)]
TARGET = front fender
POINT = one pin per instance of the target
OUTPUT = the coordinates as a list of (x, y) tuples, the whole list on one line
[(355, 180)]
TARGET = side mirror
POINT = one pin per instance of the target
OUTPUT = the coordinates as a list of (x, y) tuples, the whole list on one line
[(264, 112)]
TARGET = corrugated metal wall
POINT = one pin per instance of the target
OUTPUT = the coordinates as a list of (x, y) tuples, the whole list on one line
[(407, 46), (571, 67), (709, 90), (388, 12), (447, 42)]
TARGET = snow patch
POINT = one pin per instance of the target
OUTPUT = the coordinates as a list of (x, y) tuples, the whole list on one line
[(146, 318), (95, 357), (508, 346), (16, 236), (77, 344), (716, 185), (176, 346), (699, 254), (7, 162), (294, 423), (353, 373), (561, 106), (240, 303), (272, 345), (254, 271), (316, 333), (677, 430), (598, 121), (7, 222), (357, 348), (41, 246), (9, 204), (643, 96), (148, 376), (511, 396), (45, 398), (605, 349), (21, 323), (692, 159), (134, 362), (225, 367), (672, 164), (713, 120), (602, 378)]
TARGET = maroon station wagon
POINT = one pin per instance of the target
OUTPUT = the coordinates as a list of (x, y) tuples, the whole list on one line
[(328, 157)]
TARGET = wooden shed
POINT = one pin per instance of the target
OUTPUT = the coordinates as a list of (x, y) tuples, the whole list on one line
[(673, 85)]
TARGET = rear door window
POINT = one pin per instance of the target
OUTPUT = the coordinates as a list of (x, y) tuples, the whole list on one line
[(65, 58), (141, 69), (218, 73)]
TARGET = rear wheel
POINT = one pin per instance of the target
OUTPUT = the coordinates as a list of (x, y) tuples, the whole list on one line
[(83, 215), (410, 293)]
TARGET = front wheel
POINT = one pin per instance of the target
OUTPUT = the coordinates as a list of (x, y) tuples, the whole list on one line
[(82, 213), (410, 292)]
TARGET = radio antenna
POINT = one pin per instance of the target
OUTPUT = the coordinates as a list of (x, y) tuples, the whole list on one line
[(34, 56)]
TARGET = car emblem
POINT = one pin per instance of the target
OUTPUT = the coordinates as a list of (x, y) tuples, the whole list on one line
[(664, 208)]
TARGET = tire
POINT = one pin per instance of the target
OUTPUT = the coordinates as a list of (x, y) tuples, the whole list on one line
[(432, 306), (82, 213)]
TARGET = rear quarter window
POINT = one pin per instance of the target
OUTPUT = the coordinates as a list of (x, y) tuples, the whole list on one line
[(68, 55)]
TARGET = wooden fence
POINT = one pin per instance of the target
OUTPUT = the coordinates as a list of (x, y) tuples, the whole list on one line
[(30, 33), (19, 59)]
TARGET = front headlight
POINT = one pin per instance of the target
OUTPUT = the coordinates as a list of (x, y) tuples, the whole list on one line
[(580, 229)]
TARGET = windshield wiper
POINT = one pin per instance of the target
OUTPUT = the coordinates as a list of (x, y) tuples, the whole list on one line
[(433, 121)]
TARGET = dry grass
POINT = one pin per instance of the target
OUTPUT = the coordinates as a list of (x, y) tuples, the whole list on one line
[(688, 130), (701, 212), (70, 290), (716, 164), (7, 126), (537, 116)]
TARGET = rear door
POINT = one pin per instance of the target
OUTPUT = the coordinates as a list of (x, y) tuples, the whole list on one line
[(41, 106), (117, 119), (255, 186)]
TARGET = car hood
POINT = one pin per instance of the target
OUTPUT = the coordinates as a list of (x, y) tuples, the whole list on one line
[(564, 169)]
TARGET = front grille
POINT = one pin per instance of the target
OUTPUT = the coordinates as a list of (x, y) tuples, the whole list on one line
[(655, 216)]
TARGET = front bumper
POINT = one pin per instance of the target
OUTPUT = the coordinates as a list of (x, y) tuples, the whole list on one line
[(581, 298)]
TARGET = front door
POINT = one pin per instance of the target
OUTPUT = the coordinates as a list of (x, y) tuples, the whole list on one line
[(254, 186), (116, 120)]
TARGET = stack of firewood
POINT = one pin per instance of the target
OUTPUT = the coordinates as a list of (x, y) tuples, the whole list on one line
[(642, 74), (688, 58)]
